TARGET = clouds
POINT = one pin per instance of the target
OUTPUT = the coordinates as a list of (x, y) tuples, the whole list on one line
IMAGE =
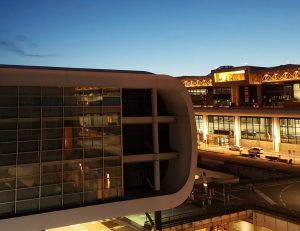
[(16, 45)]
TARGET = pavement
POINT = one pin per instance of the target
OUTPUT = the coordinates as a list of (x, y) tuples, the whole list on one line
[(222, 154), (225, 150), (101, 225)]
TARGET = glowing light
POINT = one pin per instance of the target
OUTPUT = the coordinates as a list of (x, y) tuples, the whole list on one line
[(107, 180), (229, 76)]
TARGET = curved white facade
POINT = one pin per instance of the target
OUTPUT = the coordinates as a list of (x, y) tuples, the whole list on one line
[(173, 187)]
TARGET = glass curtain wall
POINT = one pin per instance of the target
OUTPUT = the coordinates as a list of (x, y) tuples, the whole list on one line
[(290, 130), (223, 125), (199, 126), (200, 96), (59, 147), (220, 129), (256, 128), (222, 97)]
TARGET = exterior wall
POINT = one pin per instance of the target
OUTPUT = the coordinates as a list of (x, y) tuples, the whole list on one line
[(273, 223), (267, 146), (285, 147)]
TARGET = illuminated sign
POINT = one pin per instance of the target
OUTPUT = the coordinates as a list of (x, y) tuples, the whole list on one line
[(229, 76)]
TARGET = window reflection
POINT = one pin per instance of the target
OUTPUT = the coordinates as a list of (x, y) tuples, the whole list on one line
[(58, 146), (256, 128)]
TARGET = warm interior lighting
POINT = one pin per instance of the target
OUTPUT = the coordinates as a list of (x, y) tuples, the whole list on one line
[(229, 76), (107, 180), (200, 82)]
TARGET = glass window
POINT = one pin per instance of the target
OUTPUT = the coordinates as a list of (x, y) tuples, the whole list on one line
[(7, 196), (6, 112), (51, 155), (28, 158), (27, 206), (52, 91), (222, 125), (53, 133), (8, 101), (7, 136), (9, 159), (28, 146), (256, 128), (28, 181), (55, 137), (29, 123), (8, 147), (112, 146), (29, 112), (111, 101), (30, 91), (52, 101), (290, 130), (91, 153), (73, 111), (72, 154), (50, 202), (30, 101), (112, 130), (111, 91), (51, 190), (29, 134), (111, 119), (73, 199), (8, 91), (8, 124), (27, 193), (73, 101)]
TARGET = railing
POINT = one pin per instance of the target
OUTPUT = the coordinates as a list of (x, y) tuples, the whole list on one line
[(226, 199)]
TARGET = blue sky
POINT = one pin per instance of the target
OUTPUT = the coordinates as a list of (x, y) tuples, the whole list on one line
[(175, 37)]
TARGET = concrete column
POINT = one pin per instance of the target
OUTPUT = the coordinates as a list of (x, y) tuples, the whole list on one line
[(155, 140), (235, 96), (157, 220), (205, 127), (237, 130), (259, 94), (276, 134)]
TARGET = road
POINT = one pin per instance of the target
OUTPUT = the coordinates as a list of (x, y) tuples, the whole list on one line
[(278, 194), (234, 157), (225, 150)]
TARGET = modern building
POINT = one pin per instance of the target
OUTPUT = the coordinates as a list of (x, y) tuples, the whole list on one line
[(78, 145), (249, 106)]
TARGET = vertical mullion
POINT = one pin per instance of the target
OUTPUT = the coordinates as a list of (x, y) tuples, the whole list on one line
[(83, 151), (16, 171), (41, 144), (62, 148), (103, 138), (122, 159)]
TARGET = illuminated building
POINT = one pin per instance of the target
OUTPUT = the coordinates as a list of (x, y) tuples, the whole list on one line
[(78, 145), (249, 106)]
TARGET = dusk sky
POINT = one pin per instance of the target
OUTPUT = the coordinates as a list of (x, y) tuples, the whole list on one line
[(175, 37)]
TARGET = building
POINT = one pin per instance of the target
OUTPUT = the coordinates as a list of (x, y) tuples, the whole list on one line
[(78, 145), (249, 106)]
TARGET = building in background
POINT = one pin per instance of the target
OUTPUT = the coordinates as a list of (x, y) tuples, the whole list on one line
[(249, 106), (79, 145)]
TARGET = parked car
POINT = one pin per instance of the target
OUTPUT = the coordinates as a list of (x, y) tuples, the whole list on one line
[(236, 148), (256, 150)]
